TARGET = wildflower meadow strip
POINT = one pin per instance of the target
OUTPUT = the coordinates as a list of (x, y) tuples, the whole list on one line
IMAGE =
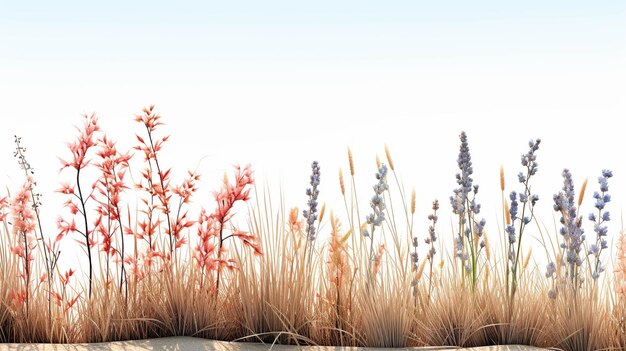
[(155, 269)]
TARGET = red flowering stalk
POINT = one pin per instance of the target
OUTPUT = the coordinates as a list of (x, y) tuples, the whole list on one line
[(50, 251), (226, 199), (113, 166), (156, 185), (77, 201), (209, 253), (182, 221), (61, 299), (208, 229), (135, 267), (23, 218)]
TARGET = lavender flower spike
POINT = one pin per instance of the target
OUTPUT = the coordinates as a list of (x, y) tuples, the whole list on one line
[(312, 192), (599, 227), (571, 231), (377, 203)]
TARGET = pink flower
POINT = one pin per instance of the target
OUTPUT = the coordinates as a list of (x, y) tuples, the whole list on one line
[(22, 212), (188, 187), (81, 146), (231, 193), (149, 118)]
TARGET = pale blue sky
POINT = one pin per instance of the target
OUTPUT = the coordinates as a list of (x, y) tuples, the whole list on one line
[(279, 84)]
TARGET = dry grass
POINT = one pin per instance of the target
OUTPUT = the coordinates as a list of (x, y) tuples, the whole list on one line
[(341, 289)]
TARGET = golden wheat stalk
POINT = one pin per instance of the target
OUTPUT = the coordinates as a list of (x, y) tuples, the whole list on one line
[(413, 201), (341, 183), (486, 280), (351, 161), (506, 212), (420, 271), (581, 196), (487, 247), (527, 259), (389, 159)]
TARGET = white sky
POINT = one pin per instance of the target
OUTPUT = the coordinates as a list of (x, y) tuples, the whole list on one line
[(280, 85)]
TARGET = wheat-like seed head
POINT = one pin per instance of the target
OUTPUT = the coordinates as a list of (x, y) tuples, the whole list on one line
[(487, 247), (486, 281), (527, 259), (378, 161), (581, 196), (341, 184), (334, 243), (506, 212), (420, 271), (378, 259), (502, 178), (322, 212), (351, 161), (293, 217), (345, 237), (475, 241), (389, 159), (413, 201)]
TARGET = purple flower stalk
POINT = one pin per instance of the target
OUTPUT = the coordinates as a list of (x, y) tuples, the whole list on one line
[(599, 227), (313, 192), (432, 236), (521, 212), (571, 231), (467, 209), (377, 203)]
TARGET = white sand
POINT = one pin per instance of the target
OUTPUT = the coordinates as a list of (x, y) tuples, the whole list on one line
[(197, 344)]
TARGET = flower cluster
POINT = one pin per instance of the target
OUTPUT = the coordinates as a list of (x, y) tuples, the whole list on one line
[(432, 236), (571, 230), (86, 140), (414, 254), (184, 191), (23, 220), (466, 208), (529, 160), (210, 252), (377, 203), (233, 192), (313, 192), (338, 257), (528, 200), (109, 188), (601, 230), (77, 199), (155, 181), (572, 235), (29, 171), (463, 179)]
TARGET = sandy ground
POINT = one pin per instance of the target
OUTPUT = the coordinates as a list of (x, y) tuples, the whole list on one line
[(196, 344)]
